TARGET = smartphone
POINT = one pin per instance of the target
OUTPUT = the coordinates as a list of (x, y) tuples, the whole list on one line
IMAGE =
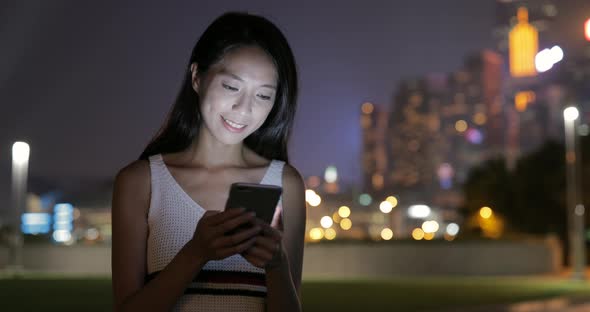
[(259, 198)]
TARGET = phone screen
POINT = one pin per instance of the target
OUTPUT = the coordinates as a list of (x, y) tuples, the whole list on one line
[(259, 198)]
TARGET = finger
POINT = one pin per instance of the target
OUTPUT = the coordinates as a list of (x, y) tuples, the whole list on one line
[(222, 216), (236, 249), (259, 253), (208, 215), (255, 260), (267, 244), (237, 238), (228, 225), (269, 231)]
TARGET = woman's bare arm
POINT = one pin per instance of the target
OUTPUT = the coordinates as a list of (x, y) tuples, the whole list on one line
[(131, 199), (284, 280)]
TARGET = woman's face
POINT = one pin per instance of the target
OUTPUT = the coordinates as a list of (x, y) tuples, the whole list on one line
[(237, 94)]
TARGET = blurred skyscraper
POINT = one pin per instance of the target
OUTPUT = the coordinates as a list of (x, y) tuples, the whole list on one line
[(533, 102), (541, 15), (439, 127), (498, 104)]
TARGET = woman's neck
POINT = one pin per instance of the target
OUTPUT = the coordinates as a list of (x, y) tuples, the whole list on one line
[(208, 152)]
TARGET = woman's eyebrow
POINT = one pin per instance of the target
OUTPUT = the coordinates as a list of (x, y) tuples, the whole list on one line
[(236, 77)]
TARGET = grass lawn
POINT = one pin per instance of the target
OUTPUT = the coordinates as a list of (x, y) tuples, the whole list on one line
[(45, 292)]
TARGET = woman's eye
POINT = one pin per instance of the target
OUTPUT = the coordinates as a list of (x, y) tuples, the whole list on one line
[(228, 87), (264, 97)]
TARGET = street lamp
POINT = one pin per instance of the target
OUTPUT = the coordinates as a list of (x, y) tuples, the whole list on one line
[(575, 208), (20, 168)]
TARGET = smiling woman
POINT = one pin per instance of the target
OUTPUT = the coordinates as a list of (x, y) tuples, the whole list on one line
[(237, 93), (173, 244)]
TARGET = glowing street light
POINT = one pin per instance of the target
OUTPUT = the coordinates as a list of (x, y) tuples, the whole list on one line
[(20, 168), (574, 204), (571, 114)]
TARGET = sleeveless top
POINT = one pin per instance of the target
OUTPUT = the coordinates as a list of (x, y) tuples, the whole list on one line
[(231, 284)]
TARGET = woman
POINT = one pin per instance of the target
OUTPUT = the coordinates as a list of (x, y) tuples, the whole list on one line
[(230, 123)]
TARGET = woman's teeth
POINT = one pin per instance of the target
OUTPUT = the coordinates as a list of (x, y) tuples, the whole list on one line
[(233, 124)]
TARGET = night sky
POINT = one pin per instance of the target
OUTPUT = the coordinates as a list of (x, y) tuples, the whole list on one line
[(87, 84)]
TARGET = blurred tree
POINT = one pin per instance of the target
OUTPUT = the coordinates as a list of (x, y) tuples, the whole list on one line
[(532, 198), (539, 188), (491, 185)]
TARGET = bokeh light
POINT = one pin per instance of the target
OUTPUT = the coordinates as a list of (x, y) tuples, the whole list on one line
[(417, 234), (316, 233), (312, 198), (387, 234), (452, 229), (430, 226), (385, 207), (331, 174), (330, 234), (326, 222), (485, 212), (345, 224), (419, 211), (365, 199), (479, 119), (461, 125), (392, 200), (344, 211), (367, 108), (336, 218)]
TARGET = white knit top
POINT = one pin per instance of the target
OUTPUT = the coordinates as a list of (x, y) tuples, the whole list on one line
[(231, 284)]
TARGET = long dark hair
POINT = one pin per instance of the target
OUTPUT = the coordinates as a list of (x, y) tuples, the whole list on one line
[(230, 31)]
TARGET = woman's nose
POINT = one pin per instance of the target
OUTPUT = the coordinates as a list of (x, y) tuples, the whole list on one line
[(243, 104)]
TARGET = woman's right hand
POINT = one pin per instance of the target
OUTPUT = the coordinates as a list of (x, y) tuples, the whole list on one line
[(210, 241)]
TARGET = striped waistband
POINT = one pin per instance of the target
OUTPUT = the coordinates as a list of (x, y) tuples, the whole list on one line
[(224, 283)]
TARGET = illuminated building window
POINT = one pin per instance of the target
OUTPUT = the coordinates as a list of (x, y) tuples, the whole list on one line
[(377, 181), (367, 108), (550, 10), (479, 119), (461, 126), (313, 181), (523, 46), (416, 99), (365, 121), (523, 99)]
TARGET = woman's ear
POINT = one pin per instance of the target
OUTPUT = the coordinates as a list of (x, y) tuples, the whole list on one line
[(195, 77)]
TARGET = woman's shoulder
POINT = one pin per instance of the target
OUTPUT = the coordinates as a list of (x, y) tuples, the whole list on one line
[(131, 191), (292, 179), (136, 173)]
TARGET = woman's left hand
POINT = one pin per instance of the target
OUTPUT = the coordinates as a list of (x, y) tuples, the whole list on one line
[(267, 251)]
